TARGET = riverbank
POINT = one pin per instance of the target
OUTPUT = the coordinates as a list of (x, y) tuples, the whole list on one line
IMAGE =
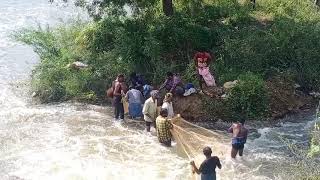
[(284, 98), (271, 59)]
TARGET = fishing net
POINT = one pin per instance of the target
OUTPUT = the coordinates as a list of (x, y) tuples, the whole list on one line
[(191, 139)]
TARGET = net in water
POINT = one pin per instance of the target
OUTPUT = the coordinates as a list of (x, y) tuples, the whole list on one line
[(191, 139)]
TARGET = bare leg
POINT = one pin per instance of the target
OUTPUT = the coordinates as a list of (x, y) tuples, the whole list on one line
[(241, 151), (148, 126), (234, 152)]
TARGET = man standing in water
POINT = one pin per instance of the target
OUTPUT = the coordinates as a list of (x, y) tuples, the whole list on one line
[(208, 167), (163, 128), (118, 93), (239, 138), (150, 109)]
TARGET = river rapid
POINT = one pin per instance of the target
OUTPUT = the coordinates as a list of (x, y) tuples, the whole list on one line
[(80, 142)]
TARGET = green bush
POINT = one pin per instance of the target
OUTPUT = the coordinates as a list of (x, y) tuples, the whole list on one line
[(152, 44), (248, 99)]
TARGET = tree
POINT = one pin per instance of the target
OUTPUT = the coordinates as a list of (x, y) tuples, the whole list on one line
[(167, 7)]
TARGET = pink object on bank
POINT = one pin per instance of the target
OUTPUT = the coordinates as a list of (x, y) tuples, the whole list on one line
[(207, 76)]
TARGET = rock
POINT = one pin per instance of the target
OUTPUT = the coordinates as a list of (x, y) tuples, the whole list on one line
[(230, 84), (297, 86), (315, 94), (34, 94), (224, 96), (77, 65), (254, 134)]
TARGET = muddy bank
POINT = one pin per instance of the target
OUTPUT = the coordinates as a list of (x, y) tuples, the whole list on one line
[(284, 99)]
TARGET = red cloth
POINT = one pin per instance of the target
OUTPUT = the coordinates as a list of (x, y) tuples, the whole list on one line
[(203, 55)]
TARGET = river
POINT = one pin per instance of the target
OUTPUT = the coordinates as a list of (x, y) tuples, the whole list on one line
[(77, 141)]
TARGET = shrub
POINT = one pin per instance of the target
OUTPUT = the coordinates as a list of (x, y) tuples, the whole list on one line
[(248, 99)]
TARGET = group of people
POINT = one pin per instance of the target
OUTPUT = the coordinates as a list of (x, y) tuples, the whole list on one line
[(143, 102)]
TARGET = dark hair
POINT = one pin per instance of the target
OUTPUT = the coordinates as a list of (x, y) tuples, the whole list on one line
[(120, 76), (133, 74), (207, 151), (242, 121), (169, 74), (164, 112)]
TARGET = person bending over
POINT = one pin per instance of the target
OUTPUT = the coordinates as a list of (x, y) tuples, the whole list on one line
[(163, 128)]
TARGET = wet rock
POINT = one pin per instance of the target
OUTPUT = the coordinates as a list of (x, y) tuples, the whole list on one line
[(254, 134)]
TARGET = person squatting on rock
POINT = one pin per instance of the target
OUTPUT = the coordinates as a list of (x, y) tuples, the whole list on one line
[(173, 84), (202, 61)]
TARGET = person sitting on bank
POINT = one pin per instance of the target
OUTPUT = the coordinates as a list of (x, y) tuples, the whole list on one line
[(136, 80), (239, 137), (135, 99), (167, 104), (173, 84), (150, 109), (208, 167), (163, 128)]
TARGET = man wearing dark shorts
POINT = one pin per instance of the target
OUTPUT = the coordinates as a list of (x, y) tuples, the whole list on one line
[(239, 138), (208, 167)]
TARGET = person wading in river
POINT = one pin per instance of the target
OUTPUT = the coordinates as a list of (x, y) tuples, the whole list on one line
[(135, 99), (119, 92), (208, 167), (163, 128), (239, 138), (167, 104), (150, 109)]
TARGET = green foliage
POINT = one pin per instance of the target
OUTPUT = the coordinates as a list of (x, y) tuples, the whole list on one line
[(248, 99), (274, 38)]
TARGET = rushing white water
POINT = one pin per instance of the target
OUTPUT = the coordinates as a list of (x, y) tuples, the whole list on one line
[(77, 141)]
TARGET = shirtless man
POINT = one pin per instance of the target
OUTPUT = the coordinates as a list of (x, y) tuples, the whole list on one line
[(239, 138)]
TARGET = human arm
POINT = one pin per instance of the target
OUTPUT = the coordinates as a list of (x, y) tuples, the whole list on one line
[(218, 163), (194, 168), (163, 85), (230, 130)]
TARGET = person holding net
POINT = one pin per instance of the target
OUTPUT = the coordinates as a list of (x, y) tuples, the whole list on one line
[(239, 138), (208, 167), (150, 109), (167, 104), (164, 128)]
